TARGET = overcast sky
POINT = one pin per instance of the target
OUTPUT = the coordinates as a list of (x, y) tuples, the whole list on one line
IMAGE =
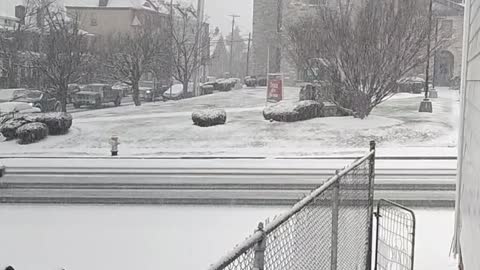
[(218, 11)]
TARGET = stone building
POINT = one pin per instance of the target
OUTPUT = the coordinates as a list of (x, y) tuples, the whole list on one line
[(269, 51)]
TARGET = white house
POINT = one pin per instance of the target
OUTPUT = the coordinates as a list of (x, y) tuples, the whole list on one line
[(467, 221)]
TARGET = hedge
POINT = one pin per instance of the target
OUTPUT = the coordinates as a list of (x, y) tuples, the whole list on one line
[(32, 132), (57, 122), (9, 128), (209, 117), (291, 112)]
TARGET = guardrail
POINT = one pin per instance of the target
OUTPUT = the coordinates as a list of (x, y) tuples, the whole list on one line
[(331, 226)]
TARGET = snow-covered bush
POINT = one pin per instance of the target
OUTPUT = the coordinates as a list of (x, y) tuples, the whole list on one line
[(311, 92), (57, 122), (9, 128), (291, 112), (209, 117), (32, 132)]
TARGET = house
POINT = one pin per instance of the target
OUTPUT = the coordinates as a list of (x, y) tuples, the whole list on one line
[(107, 17), (467, 206)]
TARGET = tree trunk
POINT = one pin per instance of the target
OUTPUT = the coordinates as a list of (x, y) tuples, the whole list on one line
[(63, 91), (136, 94), (12, 77), (185, 88)]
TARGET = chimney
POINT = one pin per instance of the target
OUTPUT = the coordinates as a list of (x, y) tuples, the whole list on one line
[(20, 13), (102, 3)]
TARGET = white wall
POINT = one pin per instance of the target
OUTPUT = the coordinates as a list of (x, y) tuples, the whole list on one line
[(468, 200)]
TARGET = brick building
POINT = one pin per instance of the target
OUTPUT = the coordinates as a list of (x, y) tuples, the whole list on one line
[(268, 48)]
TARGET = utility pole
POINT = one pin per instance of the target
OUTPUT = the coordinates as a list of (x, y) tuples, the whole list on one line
[(426, 104), (231, 43), (172, 62), (248, 52), (435, 54), (198, 52)]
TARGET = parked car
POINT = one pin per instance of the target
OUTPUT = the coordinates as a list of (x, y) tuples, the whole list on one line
[(176, 92), (262, 81), (96, 95), (72, 89), (411, 85), (123, 87), (17, 107), (146, 93), (36, 98), (150, 90), (250, 81)]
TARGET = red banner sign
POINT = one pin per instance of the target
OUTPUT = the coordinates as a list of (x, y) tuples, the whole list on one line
[(274, 87)]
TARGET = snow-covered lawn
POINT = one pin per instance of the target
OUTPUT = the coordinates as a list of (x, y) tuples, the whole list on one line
[(166, 128)]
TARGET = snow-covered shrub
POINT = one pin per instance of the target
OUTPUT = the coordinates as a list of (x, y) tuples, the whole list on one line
[(329, 109), (311, 92), (9, 128), (291, 112), (32, 132), (209, 117), (57, 122)]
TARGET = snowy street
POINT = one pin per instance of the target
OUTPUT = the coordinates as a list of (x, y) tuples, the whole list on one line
[(166, 129)]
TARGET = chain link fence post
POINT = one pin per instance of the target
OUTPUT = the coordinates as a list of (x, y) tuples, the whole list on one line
[(371, 178), (335, 210), (259, 250)]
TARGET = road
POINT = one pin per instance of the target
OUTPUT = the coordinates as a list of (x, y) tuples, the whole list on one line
[(274, 181)]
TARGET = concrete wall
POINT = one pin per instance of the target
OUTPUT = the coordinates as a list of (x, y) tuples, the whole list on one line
[(468, 200)]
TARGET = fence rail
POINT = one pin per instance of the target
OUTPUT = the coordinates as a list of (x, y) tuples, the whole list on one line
[(328, 229)]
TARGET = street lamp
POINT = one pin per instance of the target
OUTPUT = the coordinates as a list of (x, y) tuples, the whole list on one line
[(426, 104)]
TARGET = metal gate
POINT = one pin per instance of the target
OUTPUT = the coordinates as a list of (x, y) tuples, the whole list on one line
[(395, 244)]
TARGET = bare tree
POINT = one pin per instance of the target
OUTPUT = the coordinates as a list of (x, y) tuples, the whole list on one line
[(360, 52), (17, 40), (187, 42), (63, 53), (129, 56)]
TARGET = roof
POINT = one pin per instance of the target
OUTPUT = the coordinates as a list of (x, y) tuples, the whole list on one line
[(151, 5)]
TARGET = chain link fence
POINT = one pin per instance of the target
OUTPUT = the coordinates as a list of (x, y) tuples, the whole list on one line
[(328, 229)]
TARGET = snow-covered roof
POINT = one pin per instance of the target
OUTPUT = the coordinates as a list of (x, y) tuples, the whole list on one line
[(153, 5)]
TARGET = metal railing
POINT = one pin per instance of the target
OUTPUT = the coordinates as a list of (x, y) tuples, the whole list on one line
[(395, 241), (331, 228)]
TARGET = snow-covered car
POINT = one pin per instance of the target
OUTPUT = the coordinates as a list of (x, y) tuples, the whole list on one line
[(250, 81), (17, 107), (176, 92), (123, 87), (411, 85), (224, 84), (9, 109), (72, 89), (96, 95), (36, 98), (146, 93)]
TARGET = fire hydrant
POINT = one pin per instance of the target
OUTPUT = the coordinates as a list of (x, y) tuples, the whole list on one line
[(114, 143)]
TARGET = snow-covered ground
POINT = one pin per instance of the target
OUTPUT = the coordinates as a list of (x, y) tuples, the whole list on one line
[(161, 237), (166, 128)]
